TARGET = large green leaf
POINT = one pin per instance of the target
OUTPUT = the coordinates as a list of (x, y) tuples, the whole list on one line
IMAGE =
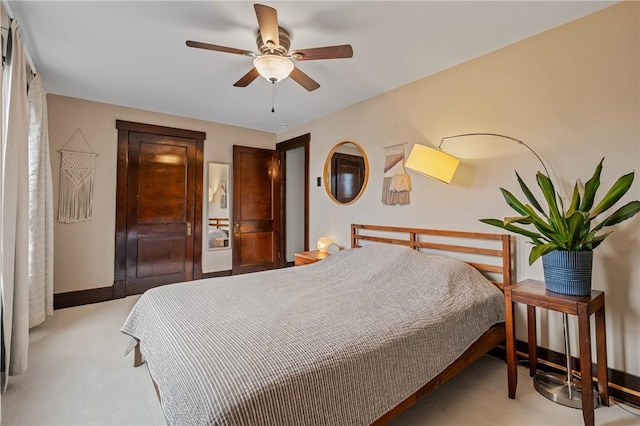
[(540, 223), (556, 219), (623, 213), (525, 220), (527, 192), (515, 229), (541, 250), (561, 207), (587, 240), (575, 223), (513, 202), (590, 189), (575, 201), (614, 194), (585, 231), (597, 240)]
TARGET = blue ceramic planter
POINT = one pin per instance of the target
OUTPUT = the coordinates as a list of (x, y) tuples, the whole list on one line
[(568, 272)]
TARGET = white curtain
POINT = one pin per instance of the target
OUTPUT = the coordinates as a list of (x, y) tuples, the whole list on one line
[(14, 199), (40, 208)]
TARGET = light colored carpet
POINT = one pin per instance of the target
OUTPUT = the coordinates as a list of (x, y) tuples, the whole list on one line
[(78, 376)]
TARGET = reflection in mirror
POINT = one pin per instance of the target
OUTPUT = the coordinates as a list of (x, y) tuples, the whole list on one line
[(346, 171), (218, 207)]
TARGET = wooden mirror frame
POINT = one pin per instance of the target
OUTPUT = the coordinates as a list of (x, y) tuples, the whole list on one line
[(327, 163)]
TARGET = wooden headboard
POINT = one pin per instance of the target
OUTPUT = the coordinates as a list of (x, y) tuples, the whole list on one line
[(219, 222), (496, 248)]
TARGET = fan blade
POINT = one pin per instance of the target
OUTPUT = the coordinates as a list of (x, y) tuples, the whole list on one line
[(268, 23), (215, 47), (303, 80), (329, 52), (247, 78)]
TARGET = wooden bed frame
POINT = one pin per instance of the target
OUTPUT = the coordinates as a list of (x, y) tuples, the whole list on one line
[(494, 246), (219, 222)]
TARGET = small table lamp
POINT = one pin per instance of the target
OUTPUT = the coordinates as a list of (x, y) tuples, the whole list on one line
[(324, 243)]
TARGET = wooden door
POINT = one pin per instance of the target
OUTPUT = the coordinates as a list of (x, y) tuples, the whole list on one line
[(256, 212), (347, 176), (162, 211)]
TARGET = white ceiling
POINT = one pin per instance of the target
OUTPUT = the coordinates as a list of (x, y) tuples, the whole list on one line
[(134, 53)]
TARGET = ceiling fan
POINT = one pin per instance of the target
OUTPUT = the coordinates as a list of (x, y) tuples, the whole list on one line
[(273, 61)]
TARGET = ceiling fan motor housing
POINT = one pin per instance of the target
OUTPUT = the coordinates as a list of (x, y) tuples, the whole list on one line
[(282, 49)]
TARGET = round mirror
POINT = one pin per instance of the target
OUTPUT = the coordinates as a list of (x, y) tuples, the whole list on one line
[(346, 171)]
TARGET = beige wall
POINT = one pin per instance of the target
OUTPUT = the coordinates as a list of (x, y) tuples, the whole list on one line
[(84, 252), (571, 93)]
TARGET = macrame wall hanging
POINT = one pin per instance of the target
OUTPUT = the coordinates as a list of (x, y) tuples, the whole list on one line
[(77, 174), (396, 184)]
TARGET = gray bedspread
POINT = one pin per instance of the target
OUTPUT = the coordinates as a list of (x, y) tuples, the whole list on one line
[(339, 342)]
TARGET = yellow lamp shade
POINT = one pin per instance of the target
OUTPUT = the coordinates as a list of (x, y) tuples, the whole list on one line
[(324, 243), (432, 162)]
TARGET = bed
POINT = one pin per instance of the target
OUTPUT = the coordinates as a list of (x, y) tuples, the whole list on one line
[(218, 233), (351, 340)]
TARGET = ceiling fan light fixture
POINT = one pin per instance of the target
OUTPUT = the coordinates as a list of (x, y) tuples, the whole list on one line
[(273, 68)]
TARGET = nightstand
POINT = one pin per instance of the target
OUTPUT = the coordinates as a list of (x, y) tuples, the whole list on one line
[(533, 294), (308, 257)]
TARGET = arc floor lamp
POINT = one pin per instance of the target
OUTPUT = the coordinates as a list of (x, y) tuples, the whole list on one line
[(440, 165)]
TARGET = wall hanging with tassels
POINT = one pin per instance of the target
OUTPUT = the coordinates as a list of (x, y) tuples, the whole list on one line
[(77, 175), (396, 184)]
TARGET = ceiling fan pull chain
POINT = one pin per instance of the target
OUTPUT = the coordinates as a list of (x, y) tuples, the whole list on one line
[(273, 97)]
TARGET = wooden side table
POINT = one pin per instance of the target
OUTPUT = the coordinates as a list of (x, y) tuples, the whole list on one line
[(308, 257), (533, 294)]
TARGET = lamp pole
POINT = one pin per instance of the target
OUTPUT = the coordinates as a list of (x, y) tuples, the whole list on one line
[(499, 136)]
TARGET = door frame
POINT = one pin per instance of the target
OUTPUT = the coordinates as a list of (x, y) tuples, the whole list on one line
[(282, 148), (124, 127)]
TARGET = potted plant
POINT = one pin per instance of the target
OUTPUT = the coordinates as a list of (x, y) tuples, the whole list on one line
[(566, 238)]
